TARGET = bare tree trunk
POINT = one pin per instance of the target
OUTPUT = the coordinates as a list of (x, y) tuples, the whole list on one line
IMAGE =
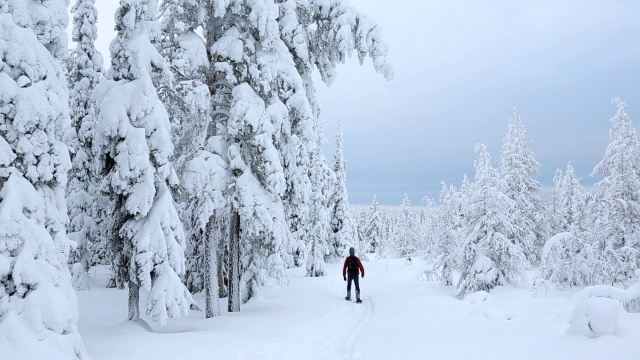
[(222, 263), (134, 301), (234, 262), (212, 306)]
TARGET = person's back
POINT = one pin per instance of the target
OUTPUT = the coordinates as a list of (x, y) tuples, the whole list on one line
[(350, 272)]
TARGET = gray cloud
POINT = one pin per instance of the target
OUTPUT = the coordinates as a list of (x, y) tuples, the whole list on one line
[(461, 67)]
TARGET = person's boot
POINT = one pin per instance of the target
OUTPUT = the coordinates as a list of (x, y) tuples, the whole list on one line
[(348, 297), (358, 297)]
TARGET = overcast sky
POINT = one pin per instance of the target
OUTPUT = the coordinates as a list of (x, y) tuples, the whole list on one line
[(461, 67)]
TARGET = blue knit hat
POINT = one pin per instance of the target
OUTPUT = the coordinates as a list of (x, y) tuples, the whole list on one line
[(352, 251)]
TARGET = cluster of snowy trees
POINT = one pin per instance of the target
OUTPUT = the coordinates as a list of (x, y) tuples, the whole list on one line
[(491, 229), (194, 162)]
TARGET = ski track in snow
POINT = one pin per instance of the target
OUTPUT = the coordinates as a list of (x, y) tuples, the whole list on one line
[(332, 336)]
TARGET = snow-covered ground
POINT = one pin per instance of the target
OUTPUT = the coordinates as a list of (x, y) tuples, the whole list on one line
[(402, 317)]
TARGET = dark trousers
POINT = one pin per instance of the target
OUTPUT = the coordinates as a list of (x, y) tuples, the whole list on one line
[(356, 279)]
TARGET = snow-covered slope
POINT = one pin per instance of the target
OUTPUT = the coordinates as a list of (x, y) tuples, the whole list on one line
[(402, 317)]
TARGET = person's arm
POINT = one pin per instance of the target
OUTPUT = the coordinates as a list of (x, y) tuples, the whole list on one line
[(344, 267), (361, 267)]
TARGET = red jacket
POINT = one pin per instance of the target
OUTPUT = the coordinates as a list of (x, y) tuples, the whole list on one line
[(346, 262)]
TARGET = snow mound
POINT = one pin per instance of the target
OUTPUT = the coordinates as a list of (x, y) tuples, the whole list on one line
[(595, 317), (80, 278), (477, 297), (493, 314)]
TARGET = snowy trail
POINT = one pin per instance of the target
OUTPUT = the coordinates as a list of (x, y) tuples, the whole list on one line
[(332, 336), (401, 317)]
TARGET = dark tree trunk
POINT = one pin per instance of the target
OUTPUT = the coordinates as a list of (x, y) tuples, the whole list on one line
[(134, 301), (223, 255), (234, 262), (212, 307)]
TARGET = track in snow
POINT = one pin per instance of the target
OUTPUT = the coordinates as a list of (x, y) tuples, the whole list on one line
[(332, 336)]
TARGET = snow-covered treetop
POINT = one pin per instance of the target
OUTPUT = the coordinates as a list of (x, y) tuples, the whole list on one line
[(623, 153), (48, 19), (516, 155), (324, 33), (132, 54)]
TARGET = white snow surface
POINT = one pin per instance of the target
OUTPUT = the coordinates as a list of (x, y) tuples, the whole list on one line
[(596, 316), (401, 317)]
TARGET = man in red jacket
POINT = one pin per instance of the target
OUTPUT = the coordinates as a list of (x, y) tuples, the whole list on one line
[(352, 266)]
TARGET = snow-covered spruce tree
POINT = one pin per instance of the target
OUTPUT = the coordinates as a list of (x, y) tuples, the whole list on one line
[(86, 206), (565, 261), (205, 178), (247, 61), (427, 226), (489, 257), (133, 145), (518, 166), (340, 236), (372, 229), (199, 156), (405, 236), (616, 225), (447, 234), (38, 306), (573, 205), (319, 216), (554, 204), (257, 181)]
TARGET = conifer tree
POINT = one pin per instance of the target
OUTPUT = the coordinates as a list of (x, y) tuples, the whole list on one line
[(85, 204), (554, 203), (447, 234), (198, 154), (37, 301), (341, 235), (319, 249), (617, 198), (133, 144), (405, 237), (372, 231), (573, 203), (490, 258), (517, 169)]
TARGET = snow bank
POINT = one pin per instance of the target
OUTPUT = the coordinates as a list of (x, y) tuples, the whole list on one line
[(595, 317), (630, 297), (477, 297)]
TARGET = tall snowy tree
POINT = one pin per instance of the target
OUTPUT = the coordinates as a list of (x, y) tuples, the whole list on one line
[(447, 234), (372, 231), (573, 205), (198, 156), (517, 170), (86, 206), (617, 199), (319, 248), (257, 184), (490, 258), (554, 203), (341, 235), (133, 144), (405, 236), (38, 306)]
